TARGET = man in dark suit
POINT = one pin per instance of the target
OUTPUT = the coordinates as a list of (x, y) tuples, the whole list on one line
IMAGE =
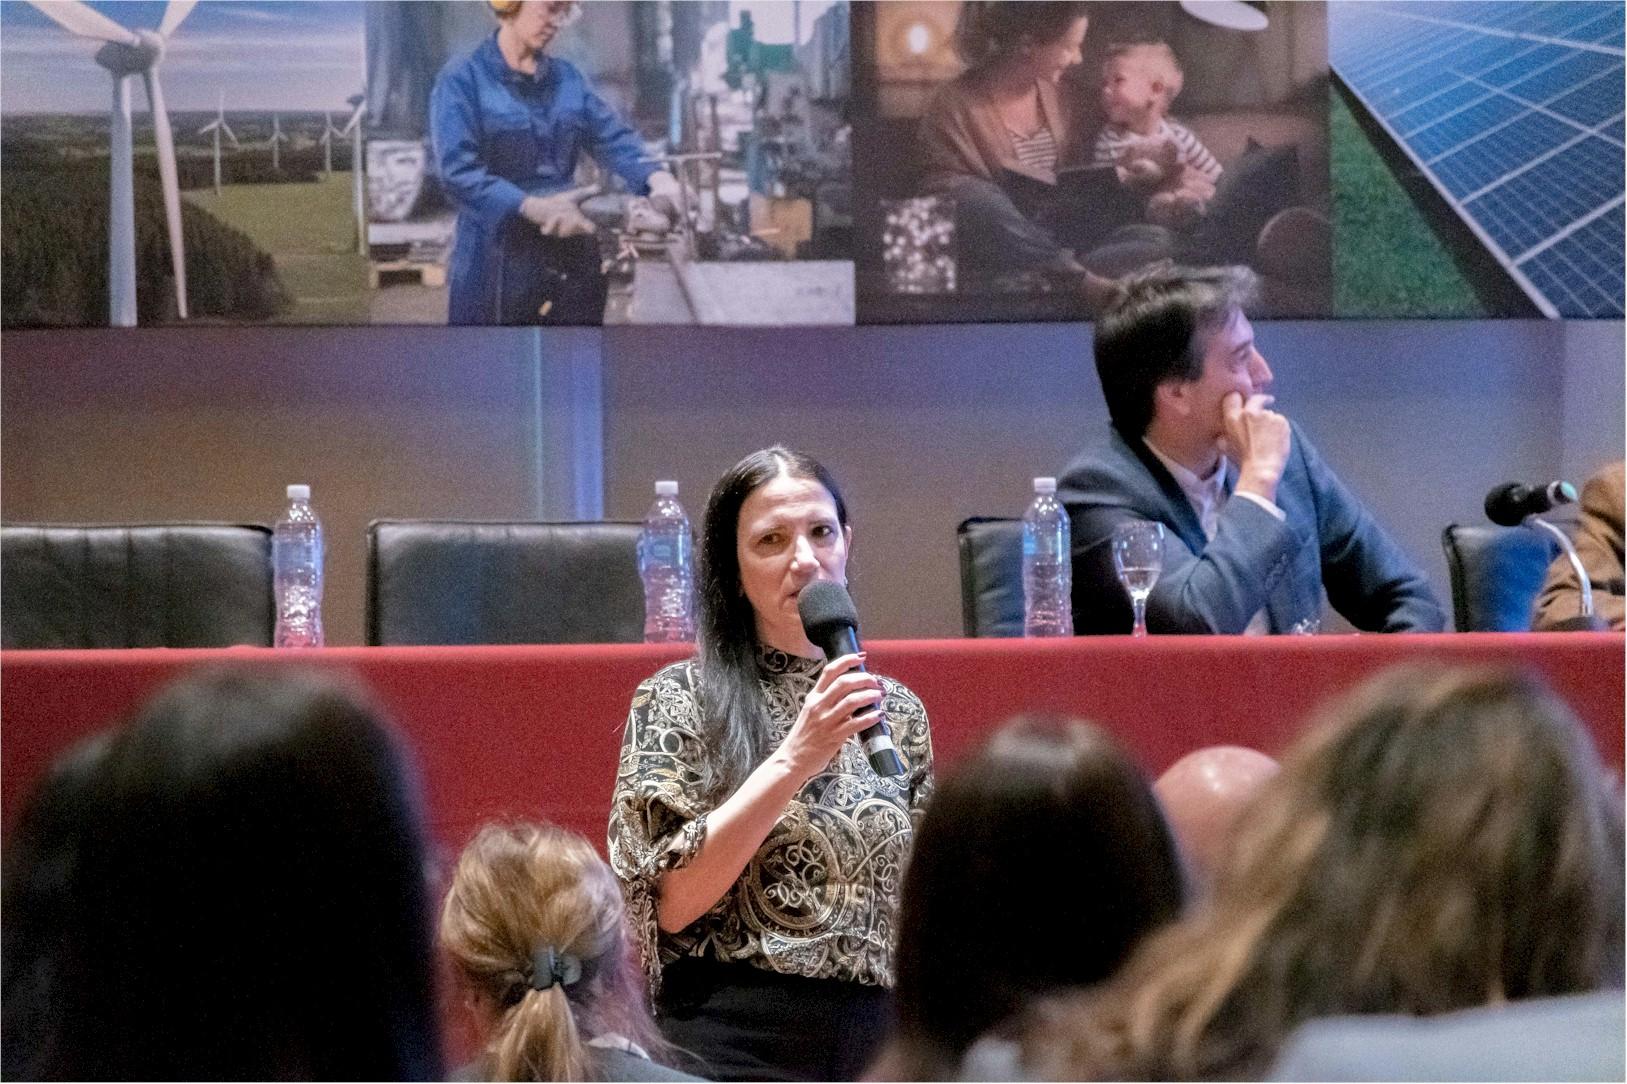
[(1256, 525)]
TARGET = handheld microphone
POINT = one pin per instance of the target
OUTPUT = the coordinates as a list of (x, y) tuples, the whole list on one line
[(1510, 503), (832, 624)]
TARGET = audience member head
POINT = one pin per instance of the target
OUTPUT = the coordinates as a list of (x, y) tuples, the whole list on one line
[(1041, 37), (1041, 862), (1443, 839), (41, 868), (1203, 794), (1156, 332), (743, 606), (249, 899), (535, 929)]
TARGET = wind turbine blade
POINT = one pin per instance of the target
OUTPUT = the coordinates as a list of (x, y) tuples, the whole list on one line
[(167, 175), (177, 10), (226, 130), (355, 118), (84, 20)]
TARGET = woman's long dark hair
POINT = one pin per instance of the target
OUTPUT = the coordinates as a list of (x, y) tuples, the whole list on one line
[(249, 895), (732, 705), (991, 30), (1050, 817), (41, 878)]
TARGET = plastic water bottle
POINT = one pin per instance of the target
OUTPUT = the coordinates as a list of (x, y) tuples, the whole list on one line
[(1047, 565), (296, 564), (666, 564)]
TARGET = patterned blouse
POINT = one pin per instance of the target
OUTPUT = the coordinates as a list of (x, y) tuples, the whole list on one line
[(820, 896)]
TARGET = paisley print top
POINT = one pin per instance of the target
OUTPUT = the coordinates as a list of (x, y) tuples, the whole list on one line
[(820, 897)]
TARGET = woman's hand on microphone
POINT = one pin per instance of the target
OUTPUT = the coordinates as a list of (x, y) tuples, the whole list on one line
[(827, 716)]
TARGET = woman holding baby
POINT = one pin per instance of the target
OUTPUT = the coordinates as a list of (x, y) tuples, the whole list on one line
[(997, 139)]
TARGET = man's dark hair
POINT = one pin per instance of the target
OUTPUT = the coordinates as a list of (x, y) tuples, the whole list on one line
[(1157, 329)]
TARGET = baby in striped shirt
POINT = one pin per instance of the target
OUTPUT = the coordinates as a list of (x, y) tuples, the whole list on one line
[(1152, 153)]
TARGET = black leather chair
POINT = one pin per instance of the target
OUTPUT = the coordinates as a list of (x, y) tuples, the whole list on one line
[(461, 582), (1496, 575), (991, 576), (135, 585)]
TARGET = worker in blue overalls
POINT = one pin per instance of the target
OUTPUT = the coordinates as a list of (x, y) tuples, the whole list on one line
[(508, 122)]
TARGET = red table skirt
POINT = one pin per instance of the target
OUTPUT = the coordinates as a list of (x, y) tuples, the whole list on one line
[(534, 731)]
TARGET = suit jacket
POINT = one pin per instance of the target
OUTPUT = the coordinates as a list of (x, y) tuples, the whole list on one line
[(1327, 542), (1599, 545)]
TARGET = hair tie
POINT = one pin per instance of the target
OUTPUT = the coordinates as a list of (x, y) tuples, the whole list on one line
[(549, 967)]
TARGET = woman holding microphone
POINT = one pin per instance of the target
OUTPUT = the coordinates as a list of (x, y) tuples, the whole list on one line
[(759, 852)]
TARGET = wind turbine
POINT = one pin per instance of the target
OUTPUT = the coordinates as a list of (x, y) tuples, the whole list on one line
[(125, 53), (358, 193), (328, 132), (276, 138), (217, 126)]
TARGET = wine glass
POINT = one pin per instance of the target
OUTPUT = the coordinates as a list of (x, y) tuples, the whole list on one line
[(1138, 556)]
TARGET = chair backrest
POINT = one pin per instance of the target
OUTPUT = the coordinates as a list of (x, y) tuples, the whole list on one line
[(1496, 575), (135, 585), (460, 582), (991, 576)]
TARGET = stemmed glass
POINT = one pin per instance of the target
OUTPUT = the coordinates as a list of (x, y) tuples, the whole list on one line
[(1138, 556)]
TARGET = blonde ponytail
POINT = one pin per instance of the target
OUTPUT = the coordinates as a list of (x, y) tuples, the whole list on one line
[(537, 1039), (535, 927)]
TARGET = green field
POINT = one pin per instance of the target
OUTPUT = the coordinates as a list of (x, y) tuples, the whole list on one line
[(308, 230), (1387, 260)]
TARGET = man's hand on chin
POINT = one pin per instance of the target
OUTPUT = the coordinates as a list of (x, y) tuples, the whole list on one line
[(1257, 439)]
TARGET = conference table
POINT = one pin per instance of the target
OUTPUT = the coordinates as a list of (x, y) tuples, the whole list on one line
[(534, 731)]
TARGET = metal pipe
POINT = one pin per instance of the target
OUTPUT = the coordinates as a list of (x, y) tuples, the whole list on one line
[(1582, 580)]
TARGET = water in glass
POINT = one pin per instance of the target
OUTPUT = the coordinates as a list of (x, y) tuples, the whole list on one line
[(1138, 557)]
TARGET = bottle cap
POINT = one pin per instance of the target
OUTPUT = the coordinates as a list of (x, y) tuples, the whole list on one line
[(666, 489), (1044, 485), (299, 493)]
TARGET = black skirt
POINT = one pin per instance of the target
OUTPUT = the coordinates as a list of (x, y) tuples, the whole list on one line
[(739, 1022)]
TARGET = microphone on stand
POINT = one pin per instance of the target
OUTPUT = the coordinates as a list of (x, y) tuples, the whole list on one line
[(832, 624), (1512, 504)]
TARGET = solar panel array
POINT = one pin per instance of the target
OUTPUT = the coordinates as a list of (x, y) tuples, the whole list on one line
[(1514, 112)]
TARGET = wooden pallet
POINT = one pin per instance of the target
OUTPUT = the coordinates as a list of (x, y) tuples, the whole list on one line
[(395, 272)]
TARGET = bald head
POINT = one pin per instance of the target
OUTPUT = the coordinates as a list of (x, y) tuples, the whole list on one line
[(1202, 794)]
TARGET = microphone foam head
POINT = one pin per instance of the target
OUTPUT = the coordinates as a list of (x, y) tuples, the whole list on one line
[(825, 605), (1503, 504)]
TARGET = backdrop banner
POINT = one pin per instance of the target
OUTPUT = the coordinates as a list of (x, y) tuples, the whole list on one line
[(801, 162)]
